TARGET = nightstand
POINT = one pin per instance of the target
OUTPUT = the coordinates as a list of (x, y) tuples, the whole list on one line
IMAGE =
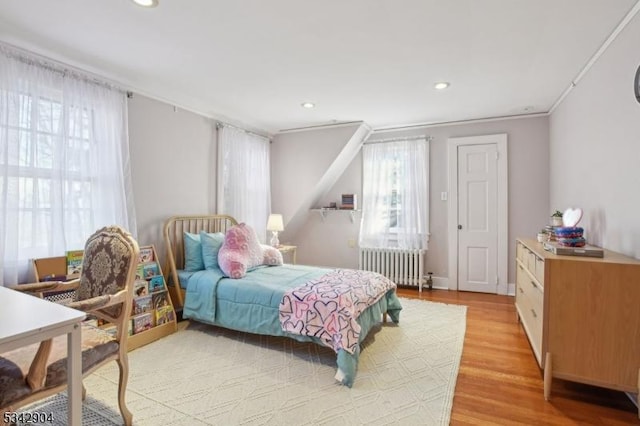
[(284, 249)]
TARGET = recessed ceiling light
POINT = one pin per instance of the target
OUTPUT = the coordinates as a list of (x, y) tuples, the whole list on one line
[(146, 3), (308, 105), (441, 85)]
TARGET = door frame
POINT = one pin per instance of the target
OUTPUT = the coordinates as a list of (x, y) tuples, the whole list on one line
[(500, 140)]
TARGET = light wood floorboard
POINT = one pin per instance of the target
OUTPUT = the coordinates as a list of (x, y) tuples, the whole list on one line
[(499, 382)]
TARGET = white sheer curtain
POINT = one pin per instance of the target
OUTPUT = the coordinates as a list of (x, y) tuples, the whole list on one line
[(244, 184), (395, 194), (64, 161)]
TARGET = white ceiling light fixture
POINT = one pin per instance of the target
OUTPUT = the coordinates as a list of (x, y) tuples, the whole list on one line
[(308, 105), (146, 3), (441, 85)]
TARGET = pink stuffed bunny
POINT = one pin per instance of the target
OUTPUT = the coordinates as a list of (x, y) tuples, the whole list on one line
[(242, 251)]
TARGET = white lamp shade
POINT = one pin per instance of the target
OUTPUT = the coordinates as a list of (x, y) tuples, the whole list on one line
[(275, 223)]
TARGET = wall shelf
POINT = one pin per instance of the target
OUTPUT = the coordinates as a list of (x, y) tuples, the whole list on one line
[(324, 212)]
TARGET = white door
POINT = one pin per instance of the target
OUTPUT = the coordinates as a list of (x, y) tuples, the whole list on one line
[(478, 218)]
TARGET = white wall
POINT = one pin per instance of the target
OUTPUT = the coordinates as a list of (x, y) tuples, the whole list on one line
[(327, 243), (173, 165), (298, 161), (595, 147), (174, 172)]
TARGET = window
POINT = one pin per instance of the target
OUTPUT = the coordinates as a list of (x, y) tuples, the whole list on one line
[(37, 161), (63, 162), (244, 185), (395, 194)]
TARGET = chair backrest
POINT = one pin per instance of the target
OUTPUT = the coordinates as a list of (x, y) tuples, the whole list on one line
[(110, 260)]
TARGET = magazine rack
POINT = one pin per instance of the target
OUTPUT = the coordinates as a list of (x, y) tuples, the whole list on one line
[(152, 315)]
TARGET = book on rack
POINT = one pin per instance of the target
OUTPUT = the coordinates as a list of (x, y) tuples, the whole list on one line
[(142, 304), (160, 300), (150, 269), (164, 314), (140, 288), (146, 254), (74, 263), (156, 284), (112, 329), (140, 272), (143, 322)]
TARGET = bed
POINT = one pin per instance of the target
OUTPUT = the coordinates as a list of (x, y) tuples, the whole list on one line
[(262, 302)]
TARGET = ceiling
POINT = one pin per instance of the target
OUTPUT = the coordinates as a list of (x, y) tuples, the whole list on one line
[(254, 62)]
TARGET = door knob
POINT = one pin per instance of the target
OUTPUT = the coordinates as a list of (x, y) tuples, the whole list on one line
[(459, 226)]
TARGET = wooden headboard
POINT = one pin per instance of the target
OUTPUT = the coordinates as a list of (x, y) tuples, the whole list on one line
[(174, 229)]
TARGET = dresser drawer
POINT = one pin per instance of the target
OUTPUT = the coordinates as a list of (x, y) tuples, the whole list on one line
[(531, 261), (534, 293), (520, 250), (531, 319), (529, 302), (522, 277), (539, 271)]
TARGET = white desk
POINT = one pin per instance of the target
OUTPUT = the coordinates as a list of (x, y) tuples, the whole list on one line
[(26, 319)]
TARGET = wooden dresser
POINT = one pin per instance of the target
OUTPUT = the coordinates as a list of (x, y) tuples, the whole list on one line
[(581, 315)]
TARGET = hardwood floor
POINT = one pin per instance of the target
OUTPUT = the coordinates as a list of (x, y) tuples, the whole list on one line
[(499, 381)]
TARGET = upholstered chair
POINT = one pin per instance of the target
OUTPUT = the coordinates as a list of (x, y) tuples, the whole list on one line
[(104, 291)]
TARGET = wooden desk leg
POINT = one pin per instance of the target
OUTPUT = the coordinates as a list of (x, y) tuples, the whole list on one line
[(74, 376), (547, 376)]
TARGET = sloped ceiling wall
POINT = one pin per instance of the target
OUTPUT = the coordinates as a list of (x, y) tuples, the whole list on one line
[(304, 167)]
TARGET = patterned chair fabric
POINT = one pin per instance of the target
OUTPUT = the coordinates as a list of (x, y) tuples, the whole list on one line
[(106, 263), (105, 291)]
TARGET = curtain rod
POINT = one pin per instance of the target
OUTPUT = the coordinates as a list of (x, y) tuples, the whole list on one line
[(30, 58), (220, 124), (408, 138)]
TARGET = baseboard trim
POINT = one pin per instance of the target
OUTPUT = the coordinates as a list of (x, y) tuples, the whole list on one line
[(442, 283)]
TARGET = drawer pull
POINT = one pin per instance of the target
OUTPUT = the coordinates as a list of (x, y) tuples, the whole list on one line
[(534, 313), (521, 290), (534, 284), (520, 266)]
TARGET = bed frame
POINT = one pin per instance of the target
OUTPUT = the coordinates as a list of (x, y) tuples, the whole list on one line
[(174, 229)]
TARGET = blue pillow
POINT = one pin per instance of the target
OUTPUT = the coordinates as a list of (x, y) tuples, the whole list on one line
[(192, 252), (211, 244)]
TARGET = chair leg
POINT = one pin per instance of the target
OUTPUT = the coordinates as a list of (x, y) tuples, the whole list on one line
[(38, 370), (123, 364)]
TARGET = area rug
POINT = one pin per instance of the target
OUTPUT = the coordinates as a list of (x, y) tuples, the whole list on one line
[(205, 375)]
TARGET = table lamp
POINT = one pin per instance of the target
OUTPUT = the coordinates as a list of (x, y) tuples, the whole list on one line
[(275, 225)]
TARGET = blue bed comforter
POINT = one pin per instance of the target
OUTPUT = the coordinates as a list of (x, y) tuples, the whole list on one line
[(250, 304)]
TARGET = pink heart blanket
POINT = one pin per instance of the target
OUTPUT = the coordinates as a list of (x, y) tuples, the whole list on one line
[(328, 307)]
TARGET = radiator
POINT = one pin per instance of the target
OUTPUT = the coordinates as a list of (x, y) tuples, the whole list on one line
[(402, 266)]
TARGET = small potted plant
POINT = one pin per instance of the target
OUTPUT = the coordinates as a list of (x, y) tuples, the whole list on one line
[(543, 236), (556, 218)]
